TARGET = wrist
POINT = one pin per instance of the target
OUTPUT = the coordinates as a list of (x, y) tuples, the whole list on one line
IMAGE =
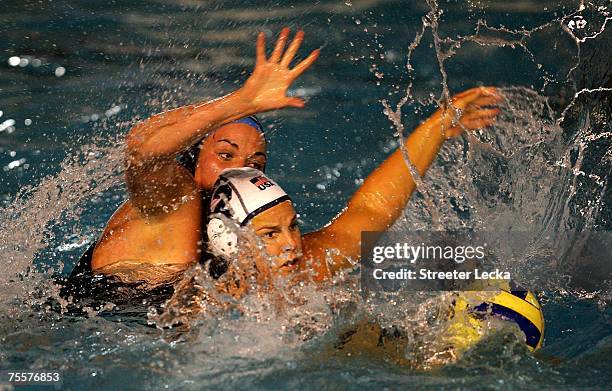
[(433, 129), (232, 106), (242, 100)]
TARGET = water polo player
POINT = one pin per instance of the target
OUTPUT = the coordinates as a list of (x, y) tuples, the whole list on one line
[(382, 197), (246, 202), (245, 197), (161, 221)]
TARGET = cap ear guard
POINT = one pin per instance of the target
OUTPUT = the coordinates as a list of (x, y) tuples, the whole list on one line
[(222, 241)]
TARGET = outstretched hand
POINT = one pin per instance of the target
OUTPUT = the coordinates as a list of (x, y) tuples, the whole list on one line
[(470, 110), (267, 87)]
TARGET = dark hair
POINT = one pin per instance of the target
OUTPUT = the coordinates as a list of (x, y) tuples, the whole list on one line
[(189, 157)]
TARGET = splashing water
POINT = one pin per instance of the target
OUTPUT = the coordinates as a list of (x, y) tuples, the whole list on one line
[(543, 167), (52, 202)]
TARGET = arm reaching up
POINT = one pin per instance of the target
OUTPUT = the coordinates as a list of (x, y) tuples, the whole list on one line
[(384, 194), (153, 176)]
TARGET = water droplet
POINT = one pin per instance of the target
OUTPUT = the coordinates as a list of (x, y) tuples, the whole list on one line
[(60, 71), (7, 124)]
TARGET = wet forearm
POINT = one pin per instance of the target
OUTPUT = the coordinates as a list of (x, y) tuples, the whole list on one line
[(423, 145), (387, 190), (170, 132), (379, 202)]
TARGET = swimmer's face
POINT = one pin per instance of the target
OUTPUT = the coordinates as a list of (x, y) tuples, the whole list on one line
[(278, 229), (231, 146)]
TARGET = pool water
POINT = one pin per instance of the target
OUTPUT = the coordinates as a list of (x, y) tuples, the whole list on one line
[(74, 77)]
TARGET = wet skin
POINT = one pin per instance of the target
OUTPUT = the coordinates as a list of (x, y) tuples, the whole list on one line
[(174, 236), (278, 229), (163, 225), (380, 200), (161, 222), (230, 146)]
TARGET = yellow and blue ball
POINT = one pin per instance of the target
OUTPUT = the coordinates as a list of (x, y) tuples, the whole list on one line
[(510, 303), (520, 307)]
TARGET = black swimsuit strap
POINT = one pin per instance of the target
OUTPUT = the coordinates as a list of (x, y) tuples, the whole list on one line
[(83, 266)]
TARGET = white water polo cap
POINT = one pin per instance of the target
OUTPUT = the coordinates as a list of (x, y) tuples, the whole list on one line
[(239, 194)]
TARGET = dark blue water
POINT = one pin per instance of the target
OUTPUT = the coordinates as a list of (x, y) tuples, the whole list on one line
[(74, 77)]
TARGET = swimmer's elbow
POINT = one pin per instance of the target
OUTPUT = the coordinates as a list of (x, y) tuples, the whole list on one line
[(141, 146), (137, 150)]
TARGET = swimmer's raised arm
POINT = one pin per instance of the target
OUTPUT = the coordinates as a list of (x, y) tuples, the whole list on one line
[(153, 175), (383, 196)]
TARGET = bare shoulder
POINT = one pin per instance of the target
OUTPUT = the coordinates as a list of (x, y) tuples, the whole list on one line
[(170, 236)]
